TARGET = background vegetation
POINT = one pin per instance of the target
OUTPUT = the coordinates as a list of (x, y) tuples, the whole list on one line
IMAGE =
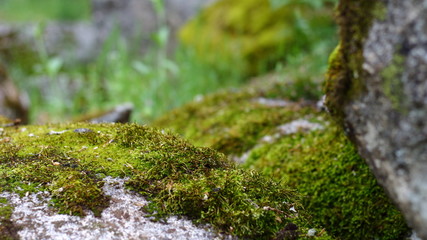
[(155, 82)]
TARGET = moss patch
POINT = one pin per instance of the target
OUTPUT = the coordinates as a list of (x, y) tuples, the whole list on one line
[(70, 161), (337, 187), (217, 122)]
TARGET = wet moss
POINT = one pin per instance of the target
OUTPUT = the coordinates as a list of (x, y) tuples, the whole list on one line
[(338, 190), (71, 160)]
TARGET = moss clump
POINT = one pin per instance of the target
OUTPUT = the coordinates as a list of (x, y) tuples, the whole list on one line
[(337, 187), (255, 34), (345, 73), (71, 160)]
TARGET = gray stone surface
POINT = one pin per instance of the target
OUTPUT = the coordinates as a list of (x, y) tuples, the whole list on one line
[(123, 219), (387, 120)]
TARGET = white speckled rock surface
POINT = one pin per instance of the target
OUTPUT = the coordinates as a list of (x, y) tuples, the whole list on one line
[(123, 219)]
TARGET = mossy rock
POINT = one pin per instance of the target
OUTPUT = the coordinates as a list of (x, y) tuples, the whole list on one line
[(314, 157), (255, 34), (70, 162)]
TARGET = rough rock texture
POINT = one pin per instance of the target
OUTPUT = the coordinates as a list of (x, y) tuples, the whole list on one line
[(273, 126), (123, 219), (377, 89)]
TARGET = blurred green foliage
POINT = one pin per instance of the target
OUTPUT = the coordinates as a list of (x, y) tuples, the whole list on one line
[(258, 34), (313, 3), (40, 10), (157, 81)]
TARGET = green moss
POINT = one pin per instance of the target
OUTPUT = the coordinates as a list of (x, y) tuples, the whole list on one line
[(337, 187), (70, 161), (254, 34), (344, 79), (392, 85), (217, 121), (340, 191)]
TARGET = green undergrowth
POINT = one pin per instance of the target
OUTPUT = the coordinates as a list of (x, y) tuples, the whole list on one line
[(337, 187), (71, 160), (257, 34), (37, 10)]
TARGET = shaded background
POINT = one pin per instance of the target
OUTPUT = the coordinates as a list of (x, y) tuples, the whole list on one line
[(71, 58)]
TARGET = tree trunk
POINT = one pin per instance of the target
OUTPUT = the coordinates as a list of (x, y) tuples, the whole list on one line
[(377, 89)]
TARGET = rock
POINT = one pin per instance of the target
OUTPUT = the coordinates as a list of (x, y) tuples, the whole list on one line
[(13, 104), (119, 114), (123, 219), (110, 181), (299, 145), (376, 89)]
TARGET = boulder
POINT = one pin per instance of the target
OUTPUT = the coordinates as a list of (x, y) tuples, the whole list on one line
[(275, 125), (119, 114), (111, 181), (376, 90)]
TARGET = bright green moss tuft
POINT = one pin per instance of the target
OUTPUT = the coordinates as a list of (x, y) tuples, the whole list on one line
[(75, 191), (239, 202), (71, 160)]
